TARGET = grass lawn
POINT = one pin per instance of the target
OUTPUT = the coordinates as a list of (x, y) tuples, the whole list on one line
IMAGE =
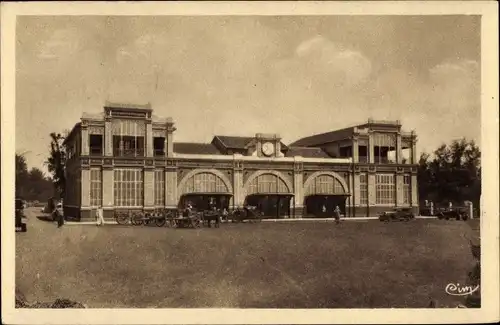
[(359, 264)]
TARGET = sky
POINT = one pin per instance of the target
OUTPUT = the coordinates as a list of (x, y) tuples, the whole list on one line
[(241, 75)]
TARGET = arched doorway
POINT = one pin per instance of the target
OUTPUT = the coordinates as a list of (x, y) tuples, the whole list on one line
[(270, 193), (205, 189), (323, 192)]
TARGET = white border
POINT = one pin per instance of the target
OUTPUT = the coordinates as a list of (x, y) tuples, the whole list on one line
[(489, 222)]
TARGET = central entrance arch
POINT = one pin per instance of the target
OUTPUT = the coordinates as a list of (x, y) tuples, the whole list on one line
[(205, 189), (271, 193), (323, 192)]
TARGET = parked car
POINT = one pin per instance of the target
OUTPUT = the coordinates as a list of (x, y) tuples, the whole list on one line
[(398, 214), (20, 225)]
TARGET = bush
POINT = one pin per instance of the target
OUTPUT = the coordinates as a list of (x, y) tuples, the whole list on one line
[(21, 302)]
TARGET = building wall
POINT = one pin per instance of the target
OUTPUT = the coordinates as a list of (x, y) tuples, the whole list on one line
[(238, 176)]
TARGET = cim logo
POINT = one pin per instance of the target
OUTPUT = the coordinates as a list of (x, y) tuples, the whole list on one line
[(458, 290)]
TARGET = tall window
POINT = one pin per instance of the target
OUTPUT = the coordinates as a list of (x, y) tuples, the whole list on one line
[(95, 144), (406, 189), (363, 154), (95, 187), (385, 189), (159, 182), (363, 189), (159, 146), (128, 138), (128, 187), (383, 144)]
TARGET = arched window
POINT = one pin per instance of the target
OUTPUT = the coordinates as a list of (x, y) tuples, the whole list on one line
[(324, 184), (204, 183), (267, 183)]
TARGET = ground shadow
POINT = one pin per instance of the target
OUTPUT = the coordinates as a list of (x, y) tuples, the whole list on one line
[(45, 218)]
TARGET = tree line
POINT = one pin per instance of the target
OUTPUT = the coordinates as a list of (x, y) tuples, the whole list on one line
[(31, 185), (451, 174)]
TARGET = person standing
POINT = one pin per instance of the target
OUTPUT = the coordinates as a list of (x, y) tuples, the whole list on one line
[(99, 216), (337, 214), (59, 217)]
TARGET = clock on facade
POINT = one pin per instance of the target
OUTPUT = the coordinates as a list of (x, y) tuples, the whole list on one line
[(268, 148)]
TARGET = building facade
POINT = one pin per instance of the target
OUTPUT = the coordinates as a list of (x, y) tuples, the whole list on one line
[(126, 159)]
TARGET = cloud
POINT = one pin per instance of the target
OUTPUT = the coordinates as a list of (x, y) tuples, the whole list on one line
[(61, 44), (451, 103), (455, 85), (340, 65)]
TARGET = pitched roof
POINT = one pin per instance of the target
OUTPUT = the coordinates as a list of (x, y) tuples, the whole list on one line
[(307, 152), (234, 142), (323, 138), (195, 148)]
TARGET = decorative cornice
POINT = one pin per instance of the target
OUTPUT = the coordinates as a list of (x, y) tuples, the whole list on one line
[(238, 165)]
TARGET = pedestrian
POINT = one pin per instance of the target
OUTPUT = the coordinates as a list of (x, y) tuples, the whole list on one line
[(59, 216), (99, 216), (337, 214)]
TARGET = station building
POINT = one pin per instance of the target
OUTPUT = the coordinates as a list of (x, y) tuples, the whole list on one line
[(126, 158)]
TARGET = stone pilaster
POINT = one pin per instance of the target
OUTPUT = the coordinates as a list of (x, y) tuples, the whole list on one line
[(85, 148), (238, 195), (350, 199), (171, 200), (149, 189), (108, 184), (355, 150), (108, 138), (169, 139), (399, 150), (372, 194), (414, 190), (371, 151), (149, 139), (278, 148), (356, 189), (85, 203), (399, 189), (298, 185), (414, 153)]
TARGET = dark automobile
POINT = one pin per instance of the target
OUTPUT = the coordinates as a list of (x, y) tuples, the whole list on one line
[(401, 214), (20, 225), (457, 214)]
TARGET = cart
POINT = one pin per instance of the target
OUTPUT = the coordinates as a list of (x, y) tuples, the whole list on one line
[(187, 219)]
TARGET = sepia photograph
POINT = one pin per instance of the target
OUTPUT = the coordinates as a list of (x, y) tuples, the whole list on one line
[(246, 162)]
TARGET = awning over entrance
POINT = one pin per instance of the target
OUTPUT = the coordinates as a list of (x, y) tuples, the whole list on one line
[(206, 201), (323, 205), (273, 204)]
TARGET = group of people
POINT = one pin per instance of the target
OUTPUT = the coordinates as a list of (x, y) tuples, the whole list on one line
[(58, 215), (336, 213), (99, 216)]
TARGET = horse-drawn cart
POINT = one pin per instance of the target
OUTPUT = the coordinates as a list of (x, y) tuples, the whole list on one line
[(250, 213), (186, 219)]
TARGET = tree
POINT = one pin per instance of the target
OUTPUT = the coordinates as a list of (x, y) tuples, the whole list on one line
[(40, 187), (21, 175), (56, 162), (452, 174), (31, 185)]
